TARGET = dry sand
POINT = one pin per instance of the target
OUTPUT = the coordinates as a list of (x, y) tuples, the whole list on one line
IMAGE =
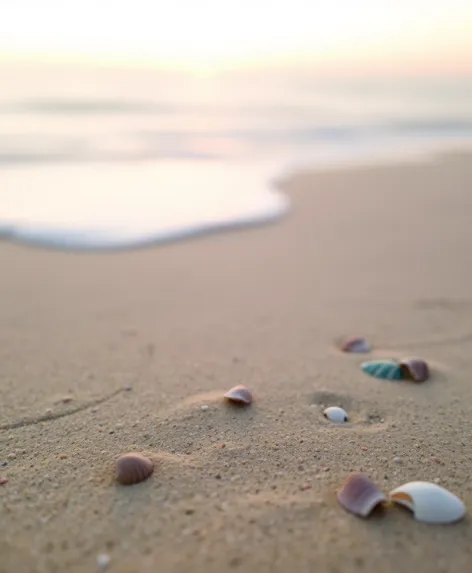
[(385, 252)]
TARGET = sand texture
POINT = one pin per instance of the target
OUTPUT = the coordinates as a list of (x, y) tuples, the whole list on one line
[(385, 252)]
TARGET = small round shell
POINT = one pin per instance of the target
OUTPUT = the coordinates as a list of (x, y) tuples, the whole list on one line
[(132, 468), (239, 395), (384, 369), (414, 369), (336, 414), (429, 502), (355, 344), (360, 495)]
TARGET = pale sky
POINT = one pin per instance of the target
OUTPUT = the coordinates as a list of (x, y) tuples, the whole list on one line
[(211, 34)]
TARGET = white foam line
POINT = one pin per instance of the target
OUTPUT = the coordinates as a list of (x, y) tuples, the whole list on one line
[(99, 240), (135, 206)]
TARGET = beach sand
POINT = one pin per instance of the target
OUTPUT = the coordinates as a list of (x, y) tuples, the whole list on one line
[(384, 252)]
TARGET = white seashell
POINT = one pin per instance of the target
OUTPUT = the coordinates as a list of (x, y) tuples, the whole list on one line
[(429, 502), (103, 560), (336, 414)]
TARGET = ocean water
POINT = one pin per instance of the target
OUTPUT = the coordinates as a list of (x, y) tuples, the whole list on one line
[(96, 158)]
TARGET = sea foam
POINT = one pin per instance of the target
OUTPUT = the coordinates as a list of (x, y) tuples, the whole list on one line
[(114, 206)]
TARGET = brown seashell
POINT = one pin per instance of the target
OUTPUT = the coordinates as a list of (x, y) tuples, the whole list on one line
[(239, 395), (360, 495), (355, 345), (132, 468), (414, 369)]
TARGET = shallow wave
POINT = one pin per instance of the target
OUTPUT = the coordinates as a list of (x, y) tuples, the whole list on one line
[(105, 207)]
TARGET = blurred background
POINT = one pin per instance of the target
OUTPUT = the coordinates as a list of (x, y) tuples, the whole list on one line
[(97, 85)]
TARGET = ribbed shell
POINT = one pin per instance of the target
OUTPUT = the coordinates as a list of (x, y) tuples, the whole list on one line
[(384, 369), (132, 468)]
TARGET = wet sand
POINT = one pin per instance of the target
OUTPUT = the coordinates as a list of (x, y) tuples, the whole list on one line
[(384, 252)]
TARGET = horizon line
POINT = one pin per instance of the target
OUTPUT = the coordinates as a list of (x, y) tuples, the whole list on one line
[(282, 63)]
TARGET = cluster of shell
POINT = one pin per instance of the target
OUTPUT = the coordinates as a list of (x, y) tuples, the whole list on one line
[(410, 368), (134, 467), (429, 502)]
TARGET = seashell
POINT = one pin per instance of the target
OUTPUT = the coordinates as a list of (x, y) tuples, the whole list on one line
[(355, 344), (239, 395), (429, 502), (414, 369), (385, 369), (336, 414), (103, 560), (133, 468), (360, 495)]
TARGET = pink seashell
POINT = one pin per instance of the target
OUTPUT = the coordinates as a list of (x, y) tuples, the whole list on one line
[(355, 344), (414, 369), (133, 468), (360, 495), (239, 395)]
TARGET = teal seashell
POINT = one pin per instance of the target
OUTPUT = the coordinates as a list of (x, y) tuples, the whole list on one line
[(384, 369)]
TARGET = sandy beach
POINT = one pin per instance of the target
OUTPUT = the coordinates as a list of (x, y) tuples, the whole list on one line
[(101, 354)]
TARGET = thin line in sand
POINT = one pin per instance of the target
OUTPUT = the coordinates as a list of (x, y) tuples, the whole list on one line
[(51, 416), (149, 350)]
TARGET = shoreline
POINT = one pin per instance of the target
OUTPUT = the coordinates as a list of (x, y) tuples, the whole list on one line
[(383, 252), (107, 238)]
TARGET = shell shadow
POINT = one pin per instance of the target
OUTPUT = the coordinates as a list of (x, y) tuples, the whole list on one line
[(234, 407), (378, 513), (436, 375), (437, 370)]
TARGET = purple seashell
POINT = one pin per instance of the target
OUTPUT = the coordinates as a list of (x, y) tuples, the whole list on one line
[(239, 395), (360, 495), (356, 345), (132, 468), (414, 369)]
